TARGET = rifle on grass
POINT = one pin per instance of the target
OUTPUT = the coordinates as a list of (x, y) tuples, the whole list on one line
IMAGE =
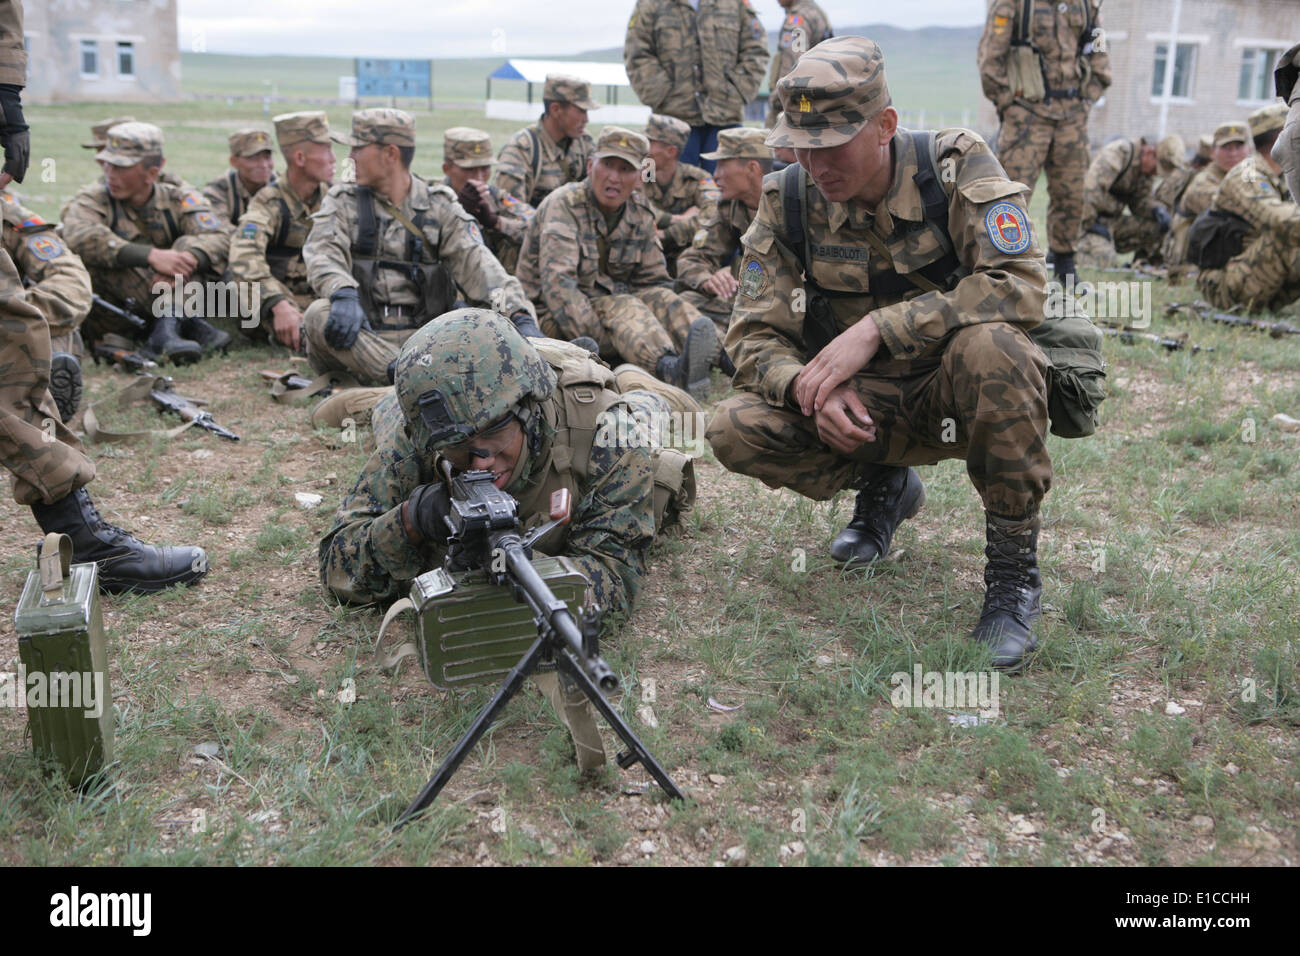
[(1204, 310), (187, 408), (1171, 343), (126, 358)]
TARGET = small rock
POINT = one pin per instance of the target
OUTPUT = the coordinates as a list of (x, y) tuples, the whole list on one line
[(497, 820), (1286, 422), (624, 858), (793, 849), (648, 848), (1232, 770), (735, 854), (1173, 708), (1104, 845), (646, 714), (307, 499), (824, 660), (1023, 827), (1202, 822), (209, 750), (717, 779), (1139, 782), (703, 839), (348, 693)]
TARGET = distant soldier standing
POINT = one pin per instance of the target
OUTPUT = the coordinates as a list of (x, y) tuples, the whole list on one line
[(553, 151), (683, 197), (252, 167), (466, 161), (805, 25), (1043, 64)]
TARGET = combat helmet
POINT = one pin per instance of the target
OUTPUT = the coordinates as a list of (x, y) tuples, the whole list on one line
[(465, 371)]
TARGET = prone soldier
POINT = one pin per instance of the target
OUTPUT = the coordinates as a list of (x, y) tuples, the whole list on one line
[(1122, 176), (682, 196), (390, 252), (805, 25), (467, 159), (553, 151), (251, 167)]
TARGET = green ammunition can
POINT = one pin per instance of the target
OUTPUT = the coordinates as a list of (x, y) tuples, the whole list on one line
[(64, 677)]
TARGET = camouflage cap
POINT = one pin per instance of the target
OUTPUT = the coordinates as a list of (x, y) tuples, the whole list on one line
[(667, 129), (830, 94), (623, 143), (386, 127), (467, 147), (99, 132), (1171, 154), (740, 142), (1203, 147), (565, 88), (1231, 133), (1267, 118), (128, 143), (249, 142), (308, 126)]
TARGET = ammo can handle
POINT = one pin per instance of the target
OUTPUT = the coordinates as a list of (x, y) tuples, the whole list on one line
[(53, 564)]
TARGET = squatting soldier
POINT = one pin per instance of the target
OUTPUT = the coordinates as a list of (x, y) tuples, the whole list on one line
[(467, 159), (136, 234), (473, 393), (594, 268), (805, 25), (1265, 275), (886, 377), (707, 273), (1121, 175), (252, 167), (1230, 147), (48, 466), (1043, 102), (99, 139), (682, 196), (699, 62), (387, 253), (1286, 149), (554, 150), (266, 249), (59, 286)]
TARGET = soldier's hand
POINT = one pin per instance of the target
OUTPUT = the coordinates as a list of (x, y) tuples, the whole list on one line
[(425, 513), (846, 355), (683, 216), (1161, 215), (474, 196), (346, 319), (722, 284), (286, 321), (843, 421), (170, 263), (14, 133)]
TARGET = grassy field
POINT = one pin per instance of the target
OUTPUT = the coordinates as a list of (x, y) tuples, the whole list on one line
[(1157, 725)]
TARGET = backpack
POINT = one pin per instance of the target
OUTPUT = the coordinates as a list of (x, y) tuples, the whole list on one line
[(1215, 237), (1076, 371)]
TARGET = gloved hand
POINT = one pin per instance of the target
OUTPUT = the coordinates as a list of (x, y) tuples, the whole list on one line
[(1099, 228), (346, 319), (425, 511), (527, 325), (472, 200), (13, 132), (1162, 217)]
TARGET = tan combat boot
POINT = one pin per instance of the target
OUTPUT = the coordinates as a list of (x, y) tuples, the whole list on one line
[(353, 403)]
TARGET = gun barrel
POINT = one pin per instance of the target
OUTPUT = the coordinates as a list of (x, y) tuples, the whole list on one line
[(133, 320)]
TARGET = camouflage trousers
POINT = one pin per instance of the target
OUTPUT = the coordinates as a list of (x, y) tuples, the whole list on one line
[(1264, 277), (45, 458), (1029, 143), (369, 357), (1142, 237), (640, 327), (982, 399)]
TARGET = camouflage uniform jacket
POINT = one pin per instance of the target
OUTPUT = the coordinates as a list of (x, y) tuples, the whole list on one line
[(690, 186), (766, 335), (452, 236), (1286, 150), (367, 557), (1200, 191), (60, 284), (513, 216), (1056, 33), (1254, 192), (555, 163), (107, 233), (1115, 180), (805, 25), (229, 197), (702, 67), (571, 256), (266, 248), (715, 245)]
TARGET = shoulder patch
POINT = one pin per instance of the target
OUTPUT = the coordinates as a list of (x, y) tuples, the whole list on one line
[(752, 279), (248, 230), (1007, 228), (206, 220), (44, 247), (32, 222), (190, 201), (474, 231)]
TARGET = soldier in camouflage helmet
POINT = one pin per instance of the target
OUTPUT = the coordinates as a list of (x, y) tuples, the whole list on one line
[(553, 151), (251, 167), (1122, 176), (805, 25), (1265, 275), (466, 161), (266, 249), (1286, 148), (391, 252), (889, 375), (682, 196)]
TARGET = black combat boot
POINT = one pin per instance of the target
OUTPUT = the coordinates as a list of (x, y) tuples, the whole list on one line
[(165, 343), (725, 363), (888, 497), (1064, 268), (65, 384), (125, 563), (1013, 590), (690, 370), (209, 337)]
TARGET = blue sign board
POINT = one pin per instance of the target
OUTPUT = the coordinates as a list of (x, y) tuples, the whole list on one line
[(395, 78)]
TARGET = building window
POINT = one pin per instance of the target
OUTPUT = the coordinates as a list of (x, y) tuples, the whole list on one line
[(125, 58), (1184, 67), (1256, 82), (89, 58)]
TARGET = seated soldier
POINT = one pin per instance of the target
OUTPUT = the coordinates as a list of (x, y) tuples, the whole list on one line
[(1265, 274), (267, 247), (683, 197), (252, 167), (594, 268), (1121, 177), (389, 252), (553, 151), (59, 286), (137, 235), (1229, 148), (707, 272), (467, 159), (471, 391)]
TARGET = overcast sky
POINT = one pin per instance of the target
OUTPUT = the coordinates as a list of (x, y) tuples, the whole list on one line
[(408, 28)]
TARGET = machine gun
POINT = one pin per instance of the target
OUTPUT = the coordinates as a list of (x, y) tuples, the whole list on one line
[(127, 315), (1172, 343), (187, 408), (1204, 310), (485, 533)]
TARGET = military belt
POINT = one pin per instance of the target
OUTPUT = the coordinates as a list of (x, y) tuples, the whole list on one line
[(1071, 94)]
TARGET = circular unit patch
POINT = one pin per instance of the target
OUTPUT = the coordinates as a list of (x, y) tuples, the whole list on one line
[(1008, 228)]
